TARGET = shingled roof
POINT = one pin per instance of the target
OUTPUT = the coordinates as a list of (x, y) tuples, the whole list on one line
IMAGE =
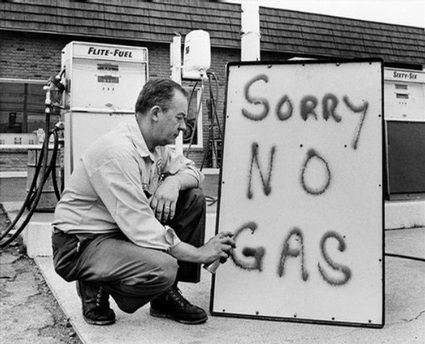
[(319, 35), (127, 19), (288, 32)]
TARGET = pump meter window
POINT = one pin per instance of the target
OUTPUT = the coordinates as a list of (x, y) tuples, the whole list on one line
[(110, 75)]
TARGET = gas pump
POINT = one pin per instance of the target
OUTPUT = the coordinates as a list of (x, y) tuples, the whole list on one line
[(405, 130), (102, 82)]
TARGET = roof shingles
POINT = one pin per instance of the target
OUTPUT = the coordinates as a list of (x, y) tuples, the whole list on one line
[(282, 31)]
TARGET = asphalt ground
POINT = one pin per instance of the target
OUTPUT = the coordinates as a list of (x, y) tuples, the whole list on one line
[(29, 311)]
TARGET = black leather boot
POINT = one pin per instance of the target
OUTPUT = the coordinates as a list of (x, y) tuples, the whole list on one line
[(95, 300), (173, 305)]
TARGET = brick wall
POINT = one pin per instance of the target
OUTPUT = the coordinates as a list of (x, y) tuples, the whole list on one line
[(30, 56), (15, 160)]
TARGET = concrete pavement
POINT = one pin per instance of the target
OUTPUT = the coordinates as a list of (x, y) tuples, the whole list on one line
[(404, 303)]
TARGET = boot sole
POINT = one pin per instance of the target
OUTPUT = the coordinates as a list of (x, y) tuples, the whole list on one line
[(157, 314), (99, 322)]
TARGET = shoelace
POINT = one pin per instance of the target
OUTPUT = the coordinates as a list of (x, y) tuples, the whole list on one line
[(177, 296), (102, 298)]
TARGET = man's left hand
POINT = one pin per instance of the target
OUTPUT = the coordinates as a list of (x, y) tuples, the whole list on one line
[(164, 200)]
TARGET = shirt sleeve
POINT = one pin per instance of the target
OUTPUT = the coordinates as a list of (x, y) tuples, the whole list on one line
[(117, 182), (179, 164)]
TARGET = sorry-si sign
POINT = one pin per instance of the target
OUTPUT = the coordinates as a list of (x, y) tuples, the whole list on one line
[(301, 188)]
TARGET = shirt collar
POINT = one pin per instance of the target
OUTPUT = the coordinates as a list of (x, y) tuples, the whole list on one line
[(138, 139)]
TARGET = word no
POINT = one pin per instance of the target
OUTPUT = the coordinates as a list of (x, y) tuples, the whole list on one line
[(312, 154)]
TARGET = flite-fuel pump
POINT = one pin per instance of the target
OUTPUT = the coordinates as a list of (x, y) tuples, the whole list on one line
[(102, 82)]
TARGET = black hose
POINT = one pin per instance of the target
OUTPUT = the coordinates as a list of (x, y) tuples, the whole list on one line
[(33, 197), (34, 192), (213, 115), (192, 134), (51, 168), (213, 102)]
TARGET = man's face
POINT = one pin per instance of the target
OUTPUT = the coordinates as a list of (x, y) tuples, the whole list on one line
[(173, 120)]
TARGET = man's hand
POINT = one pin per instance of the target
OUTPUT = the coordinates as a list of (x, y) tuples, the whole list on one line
[(164, 200), (218, 247)]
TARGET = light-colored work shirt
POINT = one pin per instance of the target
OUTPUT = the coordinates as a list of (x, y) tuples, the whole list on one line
[(110, 186)]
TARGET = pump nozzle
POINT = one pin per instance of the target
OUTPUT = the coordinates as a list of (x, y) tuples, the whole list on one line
[(56, 80)]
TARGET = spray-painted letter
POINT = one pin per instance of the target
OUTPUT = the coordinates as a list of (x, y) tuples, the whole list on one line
[(308, 104), (345, 270), (289, 251), (256, 100), (286, 102), (329, 104), (257, 253), (320, 189), (254, 158), (357, 109)]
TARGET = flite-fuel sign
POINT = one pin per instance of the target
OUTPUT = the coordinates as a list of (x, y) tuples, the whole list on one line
[(302, 190)]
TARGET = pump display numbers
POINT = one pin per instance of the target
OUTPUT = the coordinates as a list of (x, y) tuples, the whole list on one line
[(108, 79), (109, 71), (108, 67), (301, 188)]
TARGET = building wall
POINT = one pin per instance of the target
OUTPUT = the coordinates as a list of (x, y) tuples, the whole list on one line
[(29, 56), (13, 160), (38, 56)]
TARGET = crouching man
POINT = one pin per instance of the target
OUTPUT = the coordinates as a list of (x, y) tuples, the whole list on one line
[(130, 223)]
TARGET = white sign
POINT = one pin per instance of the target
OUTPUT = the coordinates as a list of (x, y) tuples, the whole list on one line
[(302, 190), (411, 76), (109, 52)]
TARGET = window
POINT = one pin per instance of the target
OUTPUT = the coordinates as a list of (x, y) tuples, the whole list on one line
[(22, 106), (400, 86)]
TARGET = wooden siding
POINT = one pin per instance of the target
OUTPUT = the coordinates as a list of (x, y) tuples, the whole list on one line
[(287, 32)]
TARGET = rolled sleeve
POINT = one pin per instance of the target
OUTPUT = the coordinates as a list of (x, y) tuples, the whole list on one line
[(171, 237), (178, 164)]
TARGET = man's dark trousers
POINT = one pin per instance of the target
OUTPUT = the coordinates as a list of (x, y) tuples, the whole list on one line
[(133, 275)]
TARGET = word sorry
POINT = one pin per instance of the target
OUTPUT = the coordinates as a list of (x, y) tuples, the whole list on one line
[(308, 104)]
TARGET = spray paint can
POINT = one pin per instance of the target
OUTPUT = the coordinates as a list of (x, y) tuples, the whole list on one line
[(212, 267)]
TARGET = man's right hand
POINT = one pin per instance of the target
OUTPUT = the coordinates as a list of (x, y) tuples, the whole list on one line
[(218, 247)]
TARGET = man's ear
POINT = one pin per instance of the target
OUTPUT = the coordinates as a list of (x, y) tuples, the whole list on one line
[(154, 113)]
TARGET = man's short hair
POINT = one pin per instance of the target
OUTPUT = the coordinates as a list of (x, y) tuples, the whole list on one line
[(157, 92)]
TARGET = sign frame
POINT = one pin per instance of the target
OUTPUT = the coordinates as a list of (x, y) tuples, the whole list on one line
[(382, 195)]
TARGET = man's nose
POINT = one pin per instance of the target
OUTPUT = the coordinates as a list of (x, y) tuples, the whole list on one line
[(182, 126)]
